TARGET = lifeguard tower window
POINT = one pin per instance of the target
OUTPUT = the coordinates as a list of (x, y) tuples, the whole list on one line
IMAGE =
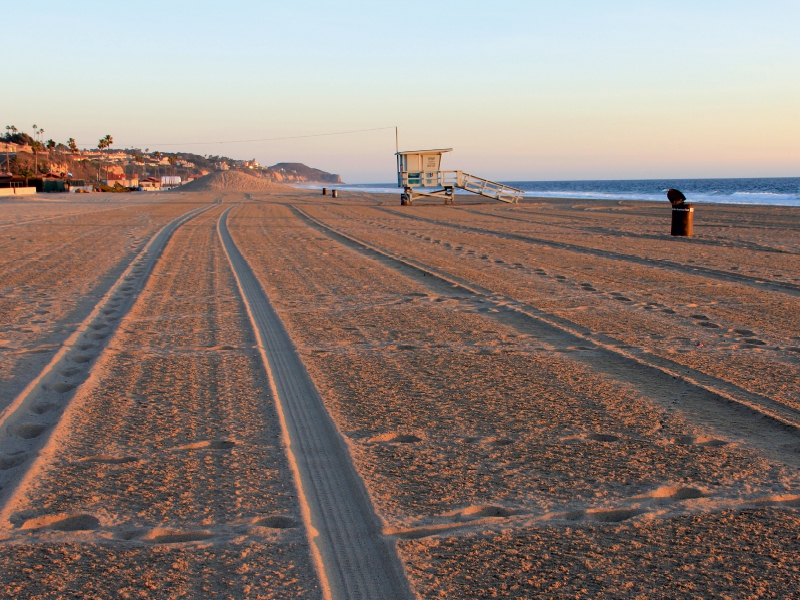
[(422, 169)]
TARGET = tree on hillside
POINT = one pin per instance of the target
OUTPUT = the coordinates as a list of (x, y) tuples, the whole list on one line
[(15, 136), (36, 146), (50, 145), (73, 148), (102, 144)]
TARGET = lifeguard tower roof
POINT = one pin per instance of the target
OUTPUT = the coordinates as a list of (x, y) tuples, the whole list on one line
[(434, 151)]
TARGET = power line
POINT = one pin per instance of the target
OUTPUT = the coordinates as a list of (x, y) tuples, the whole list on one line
[(291, 137)]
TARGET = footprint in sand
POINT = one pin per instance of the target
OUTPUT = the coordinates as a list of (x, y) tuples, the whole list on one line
[(594, 437), (209, 444), (11, 461), (29, 431), (61, 387), (81, 358), (612, 515), (76, 522), (174, 536), (744, 332), (780, 500), (43, 407), (602, 437), (482, 511), (396, 438), (691, 440), (498, 441), (755, 342), (675, 492), (276, 522)]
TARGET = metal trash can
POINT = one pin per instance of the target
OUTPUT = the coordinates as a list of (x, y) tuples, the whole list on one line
[(682, 214), (324, 191), (682, 220), (334, 193)]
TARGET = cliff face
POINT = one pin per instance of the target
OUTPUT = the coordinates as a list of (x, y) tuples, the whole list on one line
[(298, 172)]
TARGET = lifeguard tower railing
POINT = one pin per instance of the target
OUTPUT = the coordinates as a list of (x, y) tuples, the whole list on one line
[(464, 181)]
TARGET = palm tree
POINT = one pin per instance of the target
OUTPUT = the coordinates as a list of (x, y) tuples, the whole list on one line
[(157, 155), (172, 160), (36, 146), (101, 145), (73, 148), (51, 144)]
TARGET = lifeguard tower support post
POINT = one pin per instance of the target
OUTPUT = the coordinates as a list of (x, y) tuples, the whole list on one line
[(421, 169)]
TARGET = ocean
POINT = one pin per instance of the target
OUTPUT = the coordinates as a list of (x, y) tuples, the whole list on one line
[(775, 191)]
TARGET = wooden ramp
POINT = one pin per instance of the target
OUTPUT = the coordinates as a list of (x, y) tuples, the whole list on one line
[(448, 181), (420, 169), (490, 189)]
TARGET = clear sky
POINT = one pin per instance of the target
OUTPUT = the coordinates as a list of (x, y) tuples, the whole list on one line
[(520, 89)]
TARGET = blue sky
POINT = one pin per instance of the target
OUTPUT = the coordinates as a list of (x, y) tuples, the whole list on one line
[(520, 90)]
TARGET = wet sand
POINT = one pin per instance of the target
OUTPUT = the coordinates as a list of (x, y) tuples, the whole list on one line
[(553, 399)]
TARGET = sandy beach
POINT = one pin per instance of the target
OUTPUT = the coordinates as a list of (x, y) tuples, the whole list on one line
[(553, 399)]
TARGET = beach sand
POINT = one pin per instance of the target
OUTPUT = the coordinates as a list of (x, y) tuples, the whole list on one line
[(555, 399)]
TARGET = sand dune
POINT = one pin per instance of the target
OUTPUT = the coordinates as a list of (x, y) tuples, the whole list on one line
[(233, 181)]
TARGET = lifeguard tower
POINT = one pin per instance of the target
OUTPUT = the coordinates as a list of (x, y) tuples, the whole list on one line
[(419, 174)]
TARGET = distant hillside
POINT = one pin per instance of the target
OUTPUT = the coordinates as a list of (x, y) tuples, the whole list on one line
[(300, 172)]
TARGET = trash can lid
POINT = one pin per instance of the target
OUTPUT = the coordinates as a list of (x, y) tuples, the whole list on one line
[(675, 197)]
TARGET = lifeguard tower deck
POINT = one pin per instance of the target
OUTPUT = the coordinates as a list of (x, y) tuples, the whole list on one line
[(420, 176)]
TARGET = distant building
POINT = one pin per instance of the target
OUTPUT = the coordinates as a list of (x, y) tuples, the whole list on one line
[(170, 181), (221, 166), (150, 184), (121, 179), (78, 185)]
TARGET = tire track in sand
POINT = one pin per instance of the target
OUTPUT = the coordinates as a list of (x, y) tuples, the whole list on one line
[(353, 558), (719, 400), (711, 273), (27, 422)]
